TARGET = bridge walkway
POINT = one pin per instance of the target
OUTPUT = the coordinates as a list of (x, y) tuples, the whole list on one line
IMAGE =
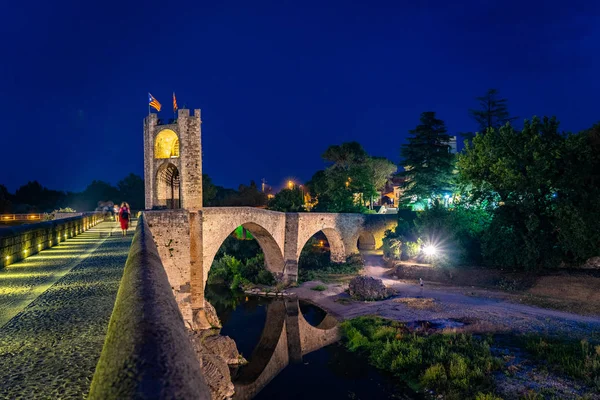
[(54, 313)]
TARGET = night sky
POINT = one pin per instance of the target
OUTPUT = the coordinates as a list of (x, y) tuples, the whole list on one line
[(277, 82)]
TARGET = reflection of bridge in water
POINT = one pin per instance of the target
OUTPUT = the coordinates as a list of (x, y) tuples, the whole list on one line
[(286, 337)]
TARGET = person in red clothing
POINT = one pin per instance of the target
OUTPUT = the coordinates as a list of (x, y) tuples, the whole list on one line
[(124, 215)]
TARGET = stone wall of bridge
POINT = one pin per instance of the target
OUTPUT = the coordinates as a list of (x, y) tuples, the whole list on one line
[(19, 242), (281, 237)]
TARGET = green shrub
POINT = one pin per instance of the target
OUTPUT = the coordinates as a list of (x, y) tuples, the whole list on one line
[(456, 232), (579, 360), (392, 246), (319, 288), (235, 273), (316, 265), (265, 277), (457, 366), (487, 396)]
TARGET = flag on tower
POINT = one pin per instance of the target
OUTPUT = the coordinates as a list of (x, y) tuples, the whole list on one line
[(174, 103), (153, 102)]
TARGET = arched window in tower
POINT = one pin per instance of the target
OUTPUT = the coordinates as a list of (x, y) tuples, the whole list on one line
[(166, 144)]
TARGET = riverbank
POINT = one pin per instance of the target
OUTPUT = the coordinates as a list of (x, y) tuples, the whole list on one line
[(448, 310)]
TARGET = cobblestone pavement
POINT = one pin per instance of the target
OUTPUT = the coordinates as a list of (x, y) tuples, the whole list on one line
[(50, 348)]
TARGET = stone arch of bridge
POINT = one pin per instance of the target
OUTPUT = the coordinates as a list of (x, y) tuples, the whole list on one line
[(334, 238), (273, 253), (168, 186), (366, 241)]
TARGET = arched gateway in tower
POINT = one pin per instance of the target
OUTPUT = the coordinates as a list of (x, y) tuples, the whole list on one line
[(173, 162)]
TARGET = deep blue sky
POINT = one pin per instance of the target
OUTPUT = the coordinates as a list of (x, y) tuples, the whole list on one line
[(277, 81)]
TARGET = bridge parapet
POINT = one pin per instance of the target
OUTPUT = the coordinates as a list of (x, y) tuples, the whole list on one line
[(19, 242), (147, 353)]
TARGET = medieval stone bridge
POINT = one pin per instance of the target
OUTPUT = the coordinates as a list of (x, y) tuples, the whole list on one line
[(189, 235), (281, 237)]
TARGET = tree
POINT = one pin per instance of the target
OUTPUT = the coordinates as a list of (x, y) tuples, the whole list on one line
[(542, 187), (428, 163), (131, 190), (209, 191), (351, 178), (379, 170), (288, 200), (5, 203), (35, 197), (95, 192), (493, 112), (346, 155)]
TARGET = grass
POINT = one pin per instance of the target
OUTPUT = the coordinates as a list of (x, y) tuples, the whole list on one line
[(319, 288), (456, 366), (419, 303), (576, 359)]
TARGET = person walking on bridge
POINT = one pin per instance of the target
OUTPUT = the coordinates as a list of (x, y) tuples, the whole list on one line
[(124, 215)]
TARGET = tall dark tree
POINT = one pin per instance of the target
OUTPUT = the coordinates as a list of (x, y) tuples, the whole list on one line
[(131, 190), (35, 197), (5, 203), (345, 155), (492, 111), (209, 191), (95, 192), (428, 162)]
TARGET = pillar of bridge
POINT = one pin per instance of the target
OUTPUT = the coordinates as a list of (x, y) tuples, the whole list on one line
[(292, 327), (290, 250)]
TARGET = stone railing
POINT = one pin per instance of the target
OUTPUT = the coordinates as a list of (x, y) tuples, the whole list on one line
[(147, 353), (19, 242)]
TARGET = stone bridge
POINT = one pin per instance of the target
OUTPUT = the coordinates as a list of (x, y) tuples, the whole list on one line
[(281, 237), (286, 337), (189, 235)]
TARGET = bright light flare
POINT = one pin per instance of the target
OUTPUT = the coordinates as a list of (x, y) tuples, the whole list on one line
[(430, 250)]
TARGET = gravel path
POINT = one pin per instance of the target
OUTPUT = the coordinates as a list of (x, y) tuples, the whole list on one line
[(489, 313), (49, 350)]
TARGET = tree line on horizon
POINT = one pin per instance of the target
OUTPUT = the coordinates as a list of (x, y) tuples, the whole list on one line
[(33, 197)]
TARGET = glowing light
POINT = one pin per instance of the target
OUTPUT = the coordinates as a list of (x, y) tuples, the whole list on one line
[(65, 235), (25, 251), (7, 258), (290, 184), (430, 250), (320, 243), (39, 246)]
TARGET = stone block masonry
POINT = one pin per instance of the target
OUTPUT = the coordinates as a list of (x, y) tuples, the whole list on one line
[(19, 242), (147, 353), (281, 237)]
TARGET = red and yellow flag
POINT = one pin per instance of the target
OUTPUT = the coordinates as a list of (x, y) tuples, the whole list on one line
[(153, 102), (174, 103)]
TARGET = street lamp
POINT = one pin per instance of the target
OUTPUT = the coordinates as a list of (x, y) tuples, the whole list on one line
[(290, 184)]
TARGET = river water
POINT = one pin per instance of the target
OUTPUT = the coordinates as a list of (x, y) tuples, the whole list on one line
[(293, 352)]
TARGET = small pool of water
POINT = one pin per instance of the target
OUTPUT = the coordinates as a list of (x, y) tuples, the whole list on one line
[(326, 372)]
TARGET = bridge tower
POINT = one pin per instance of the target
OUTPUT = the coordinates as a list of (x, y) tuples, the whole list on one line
[(173, 162)]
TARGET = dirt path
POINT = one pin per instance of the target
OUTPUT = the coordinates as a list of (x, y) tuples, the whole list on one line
[(491, 312)]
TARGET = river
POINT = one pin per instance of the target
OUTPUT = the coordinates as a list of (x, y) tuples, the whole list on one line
[(304, 360)]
